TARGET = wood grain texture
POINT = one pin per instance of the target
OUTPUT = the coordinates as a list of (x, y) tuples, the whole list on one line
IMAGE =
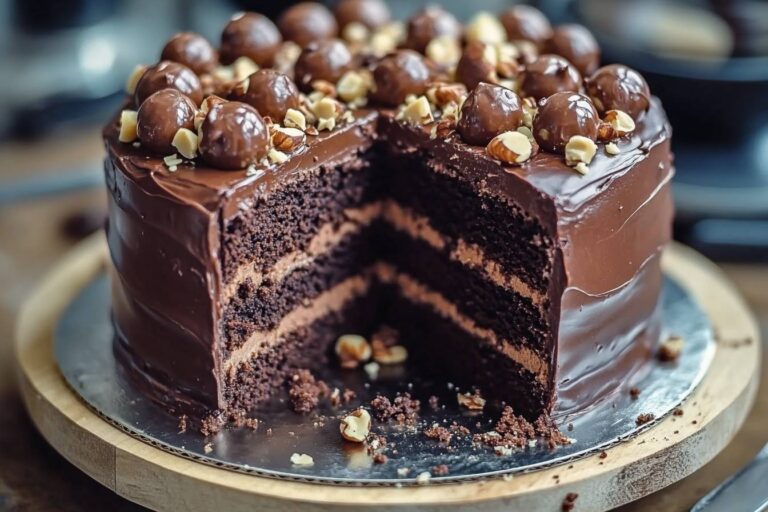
[(144, 474)]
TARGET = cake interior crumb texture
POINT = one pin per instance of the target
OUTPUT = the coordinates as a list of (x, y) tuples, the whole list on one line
[(466, 261)]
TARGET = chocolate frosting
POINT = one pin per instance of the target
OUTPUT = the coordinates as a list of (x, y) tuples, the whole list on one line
[(164, 236), (250, 35), (488, 111), (192, 50)]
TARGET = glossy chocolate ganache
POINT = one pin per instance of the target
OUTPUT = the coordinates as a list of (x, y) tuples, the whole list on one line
[(501, 206)]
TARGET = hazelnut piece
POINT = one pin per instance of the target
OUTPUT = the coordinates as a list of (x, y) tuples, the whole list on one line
[(356, 426), (352, 350), (510, 147)]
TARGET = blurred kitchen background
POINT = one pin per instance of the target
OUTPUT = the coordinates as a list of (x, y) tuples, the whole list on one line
[(63, 65)]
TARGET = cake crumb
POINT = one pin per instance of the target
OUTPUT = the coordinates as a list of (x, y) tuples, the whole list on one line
[(642, 419), (569, 502), (183, 423), (634, 393), (439, 433), (473, 402), (677, 412), (305, 391), (403, 409), (440, 470), (403, 472), (372, 370), (670, 349), (208, 448), (212, 424), (380, 458), (434, 403), (603, 454)]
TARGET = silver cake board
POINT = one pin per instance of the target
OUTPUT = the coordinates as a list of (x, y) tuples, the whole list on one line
[(83, 351)]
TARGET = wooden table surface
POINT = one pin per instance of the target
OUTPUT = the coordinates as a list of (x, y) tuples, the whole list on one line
[(33, 477)]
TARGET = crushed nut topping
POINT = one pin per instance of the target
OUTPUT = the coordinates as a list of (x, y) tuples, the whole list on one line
[(287, 139), (243, 67), (670, 349), (444, 50), (353, 86), (133, 78), (443, 94), (486, 28), (356, 425), (352, 350), (186, 141), (355, 33), (128, 121), (510, 148), (276, 156), (580, 149), (612, 149), (621, 122), (388, 354), (417, 112), (295, 119)]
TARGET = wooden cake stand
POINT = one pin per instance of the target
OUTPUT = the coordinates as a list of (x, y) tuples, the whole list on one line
[(666, 453)]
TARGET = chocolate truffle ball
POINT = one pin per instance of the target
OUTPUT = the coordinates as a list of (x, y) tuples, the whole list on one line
[(547, 75), (306, 22), (250, 35), (560, 117), (398, 75), (577, 45), (618, 87), (429, 23), (161, 116), (474, 66), (321, 60), (192, 50), (165, 75), (233, 136), (370, 13), (271, 93), (488, 111), (524, 22)]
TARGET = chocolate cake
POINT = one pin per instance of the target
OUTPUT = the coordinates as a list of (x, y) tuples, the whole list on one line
[(484, 189)]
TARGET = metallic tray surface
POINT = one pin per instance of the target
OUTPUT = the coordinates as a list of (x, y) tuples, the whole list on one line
[(83, 351)]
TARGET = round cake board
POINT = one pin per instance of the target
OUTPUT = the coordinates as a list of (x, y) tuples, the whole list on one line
[(142, 473)]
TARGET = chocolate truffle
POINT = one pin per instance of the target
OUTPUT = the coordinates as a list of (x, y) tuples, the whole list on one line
[(560, 117), (488, 111), (398, 75), (269, 92), (618, 87), (233, 136), (164, 75), (192, 50), (429, 23), (250, 35), (576, 44), (370, 13), (547, 75), (524, 22), (322, 60), (475, 65), (160, 117), (306, 22)]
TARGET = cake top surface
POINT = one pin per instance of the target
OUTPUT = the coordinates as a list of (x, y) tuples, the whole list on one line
[(525, 101)]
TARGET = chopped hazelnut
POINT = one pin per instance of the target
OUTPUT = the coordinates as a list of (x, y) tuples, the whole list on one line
[(172, 161), (444, 50), (243, 67), (326, 108), (423, 478), (355, 33), (302, 459), (386, 355), (612, 149), (355, 426), (417, 111), (372, 370), (670, 349), (352, 350), (128, 119), (485, 27), (443, 95), (580, 149), (287, 139), (621, 122), (295, 119), (186, 142), (353, 86), (276, 156), (133, 79), (510, 147)]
